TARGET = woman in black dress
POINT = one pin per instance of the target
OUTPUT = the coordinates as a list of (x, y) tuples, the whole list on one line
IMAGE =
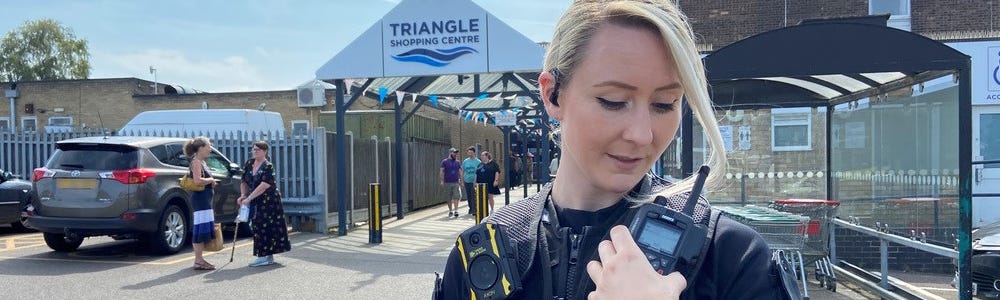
[(270, 234), (489, 173), (203, 218)]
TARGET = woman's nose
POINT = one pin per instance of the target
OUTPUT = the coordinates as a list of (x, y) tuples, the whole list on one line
[(639, 127)]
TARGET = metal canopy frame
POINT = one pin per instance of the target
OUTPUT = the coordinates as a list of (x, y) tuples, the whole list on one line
[(532, 114), (827, 62)]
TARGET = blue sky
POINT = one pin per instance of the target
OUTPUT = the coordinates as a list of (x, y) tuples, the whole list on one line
[(221, 46)]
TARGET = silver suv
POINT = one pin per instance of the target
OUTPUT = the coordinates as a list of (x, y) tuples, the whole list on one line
[(126, 188)]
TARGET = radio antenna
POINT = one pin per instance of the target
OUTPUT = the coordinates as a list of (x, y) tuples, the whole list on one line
[(699, 183)]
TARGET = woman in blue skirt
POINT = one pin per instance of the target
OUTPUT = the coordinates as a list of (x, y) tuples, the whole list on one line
[(270, 233), (204, 218)]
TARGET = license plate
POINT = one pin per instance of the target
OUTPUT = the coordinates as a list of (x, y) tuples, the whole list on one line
[(70, 183)]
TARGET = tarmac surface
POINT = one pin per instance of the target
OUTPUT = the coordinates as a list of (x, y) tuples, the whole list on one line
[(319, 265)]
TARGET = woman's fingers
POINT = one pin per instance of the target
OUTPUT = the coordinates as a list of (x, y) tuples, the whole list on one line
[(676, 283), (605, 250), (623, 242), (595, 269)]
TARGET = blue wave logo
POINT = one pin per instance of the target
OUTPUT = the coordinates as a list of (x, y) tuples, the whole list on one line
[(434, 58)]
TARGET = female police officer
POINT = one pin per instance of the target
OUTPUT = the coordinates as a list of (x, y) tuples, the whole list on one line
[(614, 77)]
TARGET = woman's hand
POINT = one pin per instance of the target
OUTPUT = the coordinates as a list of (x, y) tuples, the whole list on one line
[(625, 273), (242, 200)]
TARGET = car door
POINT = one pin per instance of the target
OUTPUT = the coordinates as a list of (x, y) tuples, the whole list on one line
[(228, 190)]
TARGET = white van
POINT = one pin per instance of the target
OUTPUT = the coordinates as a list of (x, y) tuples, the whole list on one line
[(208, 121)]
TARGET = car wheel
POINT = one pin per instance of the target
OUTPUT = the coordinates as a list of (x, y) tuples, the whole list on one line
[(60, 243), (171, 234)]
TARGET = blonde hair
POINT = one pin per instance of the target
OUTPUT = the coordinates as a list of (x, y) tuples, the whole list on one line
[(577, 27)]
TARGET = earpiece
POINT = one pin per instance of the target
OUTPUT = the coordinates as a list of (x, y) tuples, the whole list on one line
[(555, 88)]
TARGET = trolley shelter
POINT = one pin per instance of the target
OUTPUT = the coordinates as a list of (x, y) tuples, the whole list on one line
[(449, 54), (848, 110)]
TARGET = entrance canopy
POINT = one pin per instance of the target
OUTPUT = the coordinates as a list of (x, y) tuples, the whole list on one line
[(434, 37)]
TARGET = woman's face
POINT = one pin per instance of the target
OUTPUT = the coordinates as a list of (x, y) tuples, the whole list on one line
[(258, 154), (205, 150), (621, 108)]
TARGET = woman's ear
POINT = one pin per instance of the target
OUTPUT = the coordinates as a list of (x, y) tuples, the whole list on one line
[(547, 84)]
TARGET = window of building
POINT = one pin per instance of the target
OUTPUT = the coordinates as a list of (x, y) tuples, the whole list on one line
[(899, 11), (791, 129), (4, 123), (60, 121), (300, 128), (29, 123)]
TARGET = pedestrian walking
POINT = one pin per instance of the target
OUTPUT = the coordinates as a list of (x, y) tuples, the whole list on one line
[(451, 171), (270, 233)]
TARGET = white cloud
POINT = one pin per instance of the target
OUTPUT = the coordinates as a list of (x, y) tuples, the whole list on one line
[(224, 74)]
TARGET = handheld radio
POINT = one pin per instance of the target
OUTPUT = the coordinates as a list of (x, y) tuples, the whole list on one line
[(490, 263), (667, 236)]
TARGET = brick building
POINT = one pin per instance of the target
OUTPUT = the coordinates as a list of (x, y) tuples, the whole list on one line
[(110, 103)]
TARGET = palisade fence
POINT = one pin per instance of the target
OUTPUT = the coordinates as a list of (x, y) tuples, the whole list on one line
[(294, 158), (305, 166)]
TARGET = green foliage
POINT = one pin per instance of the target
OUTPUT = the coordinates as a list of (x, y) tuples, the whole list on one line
[(43, 50)]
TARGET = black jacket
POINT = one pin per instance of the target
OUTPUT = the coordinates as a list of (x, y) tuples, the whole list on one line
[(738, 263)]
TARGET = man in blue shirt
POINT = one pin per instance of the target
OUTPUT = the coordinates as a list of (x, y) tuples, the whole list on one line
[(469, 166), (450, 172)]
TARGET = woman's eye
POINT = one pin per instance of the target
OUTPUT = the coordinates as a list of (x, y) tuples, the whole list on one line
[(611, 105), (664, 107)]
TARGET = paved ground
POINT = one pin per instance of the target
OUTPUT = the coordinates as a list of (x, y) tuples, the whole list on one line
[(318, 266)]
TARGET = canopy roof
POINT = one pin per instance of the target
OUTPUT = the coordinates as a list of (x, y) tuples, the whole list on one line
[(824, 62)]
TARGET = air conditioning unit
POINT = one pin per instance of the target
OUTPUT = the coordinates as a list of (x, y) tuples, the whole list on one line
[(311, 96)]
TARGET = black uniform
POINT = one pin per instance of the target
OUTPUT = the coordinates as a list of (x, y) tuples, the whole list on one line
[(738, 263)]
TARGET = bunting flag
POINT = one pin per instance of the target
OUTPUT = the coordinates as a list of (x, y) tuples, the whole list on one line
[(497, 97), (348, 82), (414, 97), (382, 91), (399, 97), (481, 96), (468, 117), (434, 100)]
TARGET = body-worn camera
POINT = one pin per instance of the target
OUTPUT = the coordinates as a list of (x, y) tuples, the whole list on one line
[(667, 236), (490, 262)]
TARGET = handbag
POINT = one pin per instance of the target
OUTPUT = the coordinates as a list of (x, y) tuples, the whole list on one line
[(187, 183), (216, 243)]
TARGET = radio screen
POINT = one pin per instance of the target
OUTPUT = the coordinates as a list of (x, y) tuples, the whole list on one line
[(660, 236)]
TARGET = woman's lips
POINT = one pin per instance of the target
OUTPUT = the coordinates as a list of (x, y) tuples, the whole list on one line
[(624, 162)]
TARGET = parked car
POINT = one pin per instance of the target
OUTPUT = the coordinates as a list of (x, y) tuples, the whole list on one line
[(986, 261), (124, 187), (14, 193)]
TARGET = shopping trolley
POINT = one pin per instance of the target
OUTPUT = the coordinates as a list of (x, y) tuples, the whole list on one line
[(817, 245), (784, 233)]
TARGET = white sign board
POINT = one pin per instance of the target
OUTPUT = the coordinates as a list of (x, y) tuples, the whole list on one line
[(985, 71), (506, 119), (727, 136), (744, 137), (434, 37)]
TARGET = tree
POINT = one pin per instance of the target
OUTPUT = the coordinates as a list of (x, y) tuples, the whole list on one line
[(43, 50)]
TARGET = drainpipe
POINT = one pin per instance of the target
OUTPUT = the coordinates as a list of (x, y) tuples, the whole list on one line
[(12, 94)]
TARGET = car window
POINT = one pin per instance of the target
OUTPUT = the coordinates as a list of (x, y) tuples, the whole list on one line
[(174, 155), (216, 163), (160, 152), (94, 157)]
